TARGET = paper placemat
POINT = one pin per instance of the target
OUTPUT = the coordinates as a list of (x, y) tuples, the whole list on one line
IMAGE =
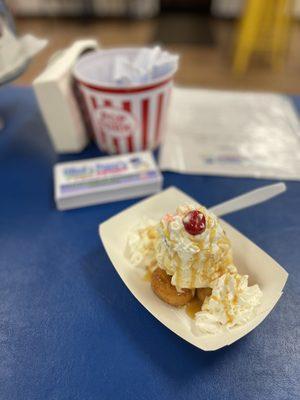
[(227, 133)]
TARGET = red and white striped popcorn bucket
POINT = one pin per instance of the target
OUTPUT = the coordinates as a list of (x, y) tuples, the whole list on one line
[(124, 118)]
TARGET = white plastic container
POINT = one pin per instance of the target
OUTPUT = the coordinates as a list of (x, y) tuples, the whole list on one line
[(58, 104)]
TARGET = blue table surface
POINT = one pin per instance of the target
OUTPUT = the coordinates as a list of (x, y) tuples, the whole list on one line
[(70, 329)]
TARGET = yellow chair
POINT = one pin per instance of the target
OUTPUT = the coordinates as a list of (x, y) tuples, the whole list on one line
[(264, 27)]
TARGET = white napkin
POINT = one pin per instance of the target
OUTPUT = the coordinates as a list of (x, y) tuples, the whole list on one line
[(149, 64), (32, 45), (15, 52)]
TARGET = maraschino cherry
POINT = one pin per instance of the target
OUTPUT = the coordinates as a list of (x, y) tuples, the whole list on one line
[(194, 222)]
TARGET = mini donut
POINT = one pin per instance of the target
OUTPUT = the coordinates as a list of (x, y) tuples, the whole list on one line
[(162, 287)]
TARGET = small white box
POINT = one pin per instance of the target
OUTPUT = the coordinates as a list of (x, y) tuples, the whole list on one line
[(58, 104), (105, 179)]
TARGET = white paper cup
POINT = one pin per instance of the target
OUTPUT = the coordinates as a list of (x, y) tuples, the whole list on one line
[(124, 118)]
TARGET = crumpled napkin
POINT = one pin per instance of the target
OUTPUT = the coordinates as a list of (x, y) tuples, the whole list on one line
[(149, 64)]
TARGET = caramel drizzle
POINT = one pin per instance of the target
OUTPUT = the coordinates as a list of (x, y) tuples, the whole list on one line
[(193, 276), (193, 307), (211, 269), (148, 275)]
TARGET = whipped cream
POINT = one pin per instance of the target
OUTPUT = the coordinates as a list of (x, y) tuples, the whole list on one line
[(194, 261), (231, 303), (141, 244)]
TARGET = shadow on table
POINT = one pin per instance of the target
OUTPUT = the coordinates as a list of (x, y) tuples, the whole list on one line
[(177, 358)]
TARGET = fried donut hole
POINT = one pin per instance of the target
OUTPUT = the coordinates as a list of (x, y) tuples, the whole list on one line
[(162, 287)]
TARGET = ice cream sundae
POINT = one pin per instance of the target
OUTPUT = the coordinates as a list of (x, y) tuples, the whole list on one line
[(188, 260)]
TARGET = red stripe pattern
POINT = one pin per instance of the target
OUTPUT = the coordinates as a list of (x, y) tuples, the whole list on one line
[(158, 118), (116, 145), (127, 107), (103, 137), (145, 123), (94, 102), (115, 142), (147, 110)]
